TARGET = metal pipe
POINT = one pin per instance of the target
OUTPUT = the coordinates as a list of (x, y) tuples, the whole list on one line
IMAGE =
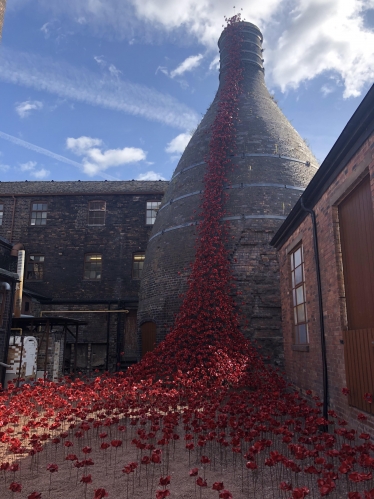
[(19, 285), (13, 214), (83, 311), (7, 337), (46, 349), (320, 306), (90, 302), (107, 338)]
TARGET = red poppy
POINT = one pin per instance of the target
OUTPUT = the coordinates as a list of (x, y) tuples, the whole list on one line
[(161, 494), (194, 472), (15, 487), (285, 486), (116, 443), (201, 482), (218, 486), (86, 479), (300, 493), (52, 468), (35, 495), (100, 493), (164, 481), (225, 494)]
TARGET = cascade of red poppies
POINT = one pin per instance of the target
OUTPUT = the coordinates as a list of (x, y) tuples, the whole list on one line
[(206, 337)]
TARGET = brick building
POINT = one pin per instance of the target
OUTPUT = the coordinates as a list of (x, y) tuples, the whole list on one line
[(8, 279), (84, 244), (326, 255)]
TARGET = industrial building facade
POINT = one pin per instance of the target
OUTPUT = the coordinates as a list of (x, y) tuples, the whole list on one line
[(326, 257), (84, 246)]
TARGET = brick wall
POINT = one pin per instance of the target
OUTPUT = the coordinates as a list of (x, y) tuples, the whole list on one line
[(67, 237), (305, 368)]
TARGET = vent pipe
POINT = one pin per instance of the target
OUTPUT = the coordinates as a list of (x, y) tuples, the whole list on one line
[(19, 285)]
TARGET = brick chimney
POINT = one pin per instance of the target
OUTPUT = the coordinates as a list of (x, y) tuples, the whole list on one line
[(271, 166)]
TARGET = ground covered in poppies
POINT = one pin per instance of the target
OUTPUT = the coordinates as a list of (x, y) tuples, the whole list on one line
[(200, 416)]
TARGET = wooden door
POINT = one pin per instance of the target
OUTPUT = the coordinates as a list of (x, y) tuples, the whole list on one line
[(357, 241), (148, 334)]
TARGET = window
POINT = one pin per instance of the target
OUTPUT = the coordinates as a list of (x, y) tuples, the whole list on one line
[(137, 265), (152, 209), (96, 212), (35, 268), (298, 296), (39, 213), (1, 213), (93, 266)]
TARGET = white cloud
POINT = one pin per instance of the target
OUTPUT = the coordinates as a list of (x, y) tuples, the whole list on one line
[(151, 175), (46, 29), (96, 160), (178, 144), (26, 167), (82, 85), (100, 60), (114, 71), (4, 168), (45, 152), (24, 108), (192, 62), (327, 89), (303, 38), (40, 174), (215, 63), (324, 36), (81, 145)]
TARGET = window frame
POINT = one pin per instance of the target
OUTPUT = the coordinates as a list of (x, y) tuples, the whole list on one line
[(42, 272), (298, 296), (42, 210), (136, 273), (91, 210), (151, 210), (96, 279)]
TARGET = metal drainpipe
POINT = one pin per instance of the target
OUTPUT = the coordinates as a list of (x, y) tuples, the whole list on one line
[(107, 338), (320, 306)]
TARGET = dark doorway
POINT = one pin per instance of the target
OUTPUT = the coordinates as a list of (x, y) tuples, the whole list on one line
[(148, 334)]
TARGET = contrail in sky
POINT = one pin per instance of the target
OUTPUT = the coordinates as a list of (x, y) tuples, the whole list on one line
[(46, 152)]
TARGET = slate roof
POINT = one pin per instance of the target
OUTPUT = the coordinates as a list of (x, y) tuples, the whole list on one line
[(82, 187)]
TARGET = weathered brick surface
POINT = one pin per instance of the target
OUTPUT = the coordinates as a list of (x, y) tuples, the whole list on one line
[(258, 185), (305, 368), (67, 237)]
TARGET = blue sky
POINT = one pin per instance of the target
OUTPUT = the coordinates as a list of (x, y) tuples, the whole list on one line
[(111, 89)]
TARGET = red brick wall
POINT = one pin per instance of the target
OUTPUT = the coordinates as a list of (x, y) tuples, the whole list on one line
[(303, 368)]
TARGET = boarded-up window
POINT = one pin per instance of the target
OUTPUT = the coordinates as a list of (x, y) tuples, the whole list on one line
[(98, 355), (148, 335), (130, 340)]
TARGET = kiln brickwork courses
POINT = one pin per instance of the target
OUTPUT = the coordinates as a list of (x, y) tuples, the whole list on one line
[(271, 167)]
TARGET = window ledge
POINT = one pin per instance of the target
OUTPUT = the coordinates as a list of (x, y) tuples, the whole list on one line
[(300, 348)]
